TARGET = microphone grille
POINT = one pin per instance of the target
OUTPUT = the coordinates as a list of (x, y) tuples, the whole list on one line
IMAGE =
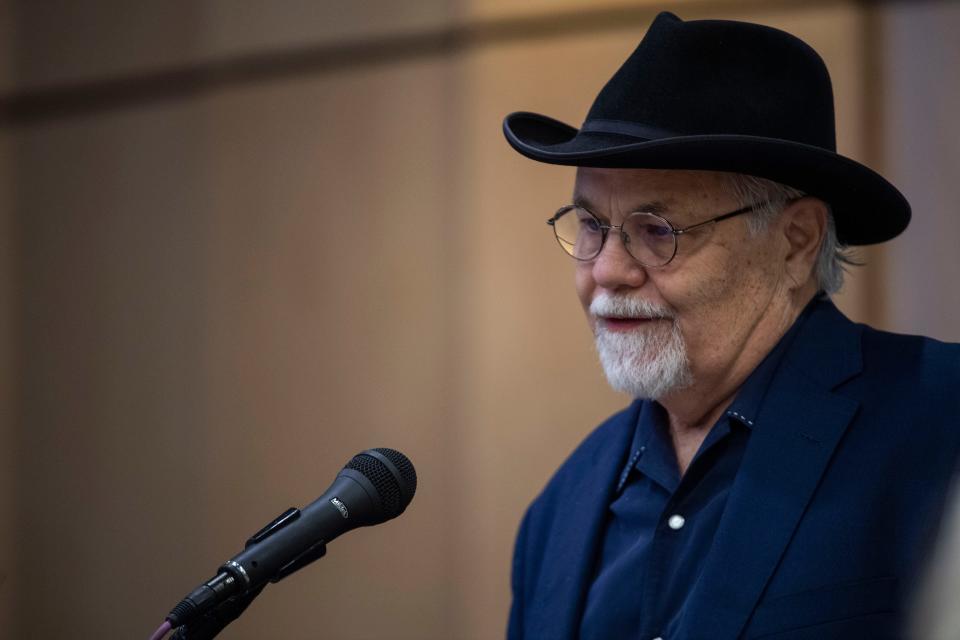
[(395, 493), (408, 475)]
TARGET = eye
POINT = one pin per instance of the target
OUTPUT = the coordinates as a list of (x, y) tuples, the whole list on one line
[(657, 231), (588, 223), (648, 226)]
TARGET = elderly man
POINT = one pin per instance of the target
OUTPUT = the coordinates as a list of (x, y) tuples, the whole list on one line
[(782, 469)]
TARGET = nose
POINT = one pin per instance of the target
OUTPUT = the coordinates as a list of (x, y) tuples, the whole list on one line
[(615, 268)]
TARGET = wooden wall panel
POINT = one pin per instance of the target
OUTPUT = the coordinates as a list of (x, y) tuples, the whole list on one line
[(227, 299), (269, 25), (65, 42), (9, 400), (111, 214), (920, 58), (9, 300), (74, 42), (327, 330)]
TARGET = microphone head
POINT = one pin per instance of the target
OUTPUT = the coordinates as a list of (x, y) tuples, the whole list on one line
[(392, 475)]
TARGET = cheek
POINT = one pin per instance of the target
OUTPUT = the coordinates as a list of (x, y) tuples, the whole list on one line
[(710, 304), (730, 301), (583, 281), (695, 297)]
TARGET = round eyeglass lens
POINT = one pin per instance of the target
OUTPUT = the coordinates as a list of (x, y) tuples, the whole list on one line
[(650, 239), (578, 232)]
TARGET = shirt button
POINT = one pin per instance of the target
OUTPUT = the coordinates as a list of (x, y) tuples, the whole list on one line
[(658, 638), (675, 522)]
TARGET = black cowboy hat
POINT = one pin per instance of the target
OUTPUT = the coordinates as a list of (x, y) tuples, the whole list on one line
[(724, 96)]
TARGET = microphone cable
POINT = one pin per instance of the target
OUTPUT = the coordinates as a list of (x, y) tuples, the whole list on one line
[(161, 631)]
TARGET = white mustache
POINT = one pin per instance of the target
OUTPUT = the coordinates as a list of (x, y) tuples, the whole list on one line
[(611, 306)]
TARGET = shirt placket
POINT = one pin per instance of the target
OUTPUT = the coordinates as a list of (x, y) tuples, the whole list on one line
[(668, 540)]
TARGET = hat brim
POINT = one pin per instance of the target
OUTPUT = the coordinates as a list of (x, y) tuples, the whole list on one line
[(867, 209)]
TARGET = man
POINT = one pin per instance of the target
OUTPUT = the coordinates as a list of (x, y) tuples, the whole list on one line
[(782, 469)]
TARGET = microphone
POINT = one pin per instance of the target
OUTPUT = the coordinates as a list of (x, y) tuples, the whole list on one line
[(375, 486)]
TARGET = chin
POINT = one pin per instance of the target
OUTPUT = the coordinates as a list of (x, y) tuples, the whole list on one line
[(644, 364)]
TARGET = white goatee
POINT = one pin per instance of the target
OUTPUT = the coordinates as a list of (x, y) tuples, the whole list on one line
[(648, 362)]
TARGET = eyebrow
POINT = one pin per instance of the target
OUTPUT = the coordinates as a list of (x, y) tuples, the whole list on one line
[(654, 206)]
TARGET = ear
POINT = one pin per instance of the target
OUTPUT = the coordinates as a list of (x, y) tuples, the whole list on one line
[(804, 223)]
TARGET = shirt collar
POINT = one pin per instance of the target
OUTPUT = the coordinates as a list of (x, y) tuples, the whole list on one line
[(651, 443)]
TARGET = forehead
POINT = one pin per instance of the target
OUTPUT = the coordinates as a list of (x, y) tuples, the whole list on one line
[(621, 190)]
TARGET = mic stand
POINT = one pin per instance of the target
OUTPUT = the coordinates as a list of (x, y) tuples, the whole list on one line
[(213, 622)]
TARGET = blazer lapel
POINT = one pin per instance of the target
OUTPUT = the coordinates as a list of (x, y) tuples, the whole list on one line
[(796, 431), (576, 527)]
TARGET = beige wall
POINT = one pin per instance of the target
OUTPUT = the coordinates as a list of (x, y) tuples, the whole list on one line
[(221, 295), (73, 41), (921, 149)]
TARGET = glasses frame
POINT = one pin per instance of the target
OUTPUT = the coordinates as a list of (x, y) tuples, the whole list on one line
[(605, 229)]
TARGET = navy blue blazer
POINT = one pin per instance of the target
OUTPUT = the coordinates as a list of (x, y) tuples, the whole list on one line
[(835, 505)]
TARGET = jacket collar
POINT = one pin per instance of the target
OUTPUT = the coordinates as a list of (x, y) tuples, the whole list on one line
[(576, 533), (797, 429)]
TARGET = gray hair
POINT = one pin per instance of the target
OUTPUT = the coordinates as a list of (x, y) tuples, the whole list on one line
[(833, 257)]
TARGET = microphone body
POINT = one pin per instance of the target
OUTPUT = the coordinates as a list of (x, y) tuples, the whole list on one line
[(375, 486)]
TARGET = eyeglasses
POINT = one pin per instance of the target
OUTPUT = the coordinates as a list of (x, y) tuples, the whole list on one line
[(649, 238)]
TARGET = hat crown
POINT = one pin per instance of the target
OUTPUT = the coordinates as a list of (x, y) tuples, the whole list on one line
[(717, 95), (710, 77)]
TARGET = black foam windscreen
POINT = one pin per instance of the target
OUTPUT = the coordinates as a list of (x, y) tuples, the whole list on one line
[(395, 492)]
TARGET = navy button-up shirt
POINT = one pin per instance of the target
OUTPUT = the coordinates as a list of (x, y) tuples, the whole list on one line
[(660, 526)]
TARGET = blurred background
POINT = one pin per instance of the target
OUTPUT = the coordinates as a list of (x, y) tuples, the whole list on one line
[(243, 240)]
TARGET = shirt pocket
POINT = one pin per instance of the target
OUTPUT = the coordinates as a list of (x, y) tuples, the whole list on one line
[(850, 610)]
